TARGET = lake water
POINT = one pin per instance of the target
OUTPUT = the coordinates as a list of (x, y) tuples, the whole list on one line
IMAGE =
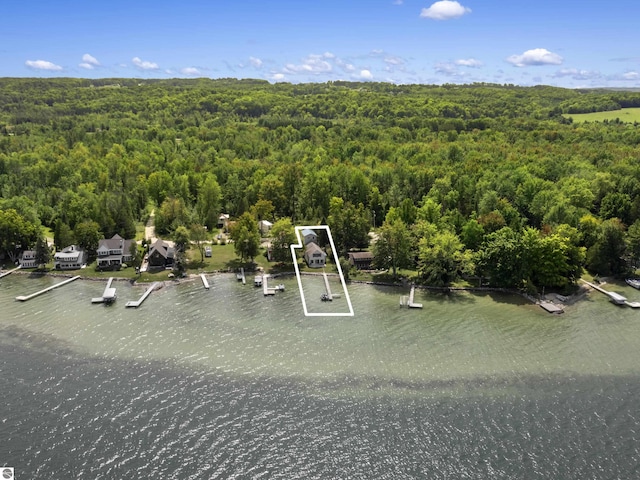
[(227, 383)]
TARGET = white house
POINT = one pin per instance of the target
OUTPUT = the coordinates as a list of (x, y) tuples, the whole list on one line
[(113, 252), (28, 259), (70, 258), (315, 256)]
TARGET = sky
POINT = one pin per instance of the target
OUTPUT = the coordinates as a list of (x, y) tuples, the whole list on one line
[(569, 43)]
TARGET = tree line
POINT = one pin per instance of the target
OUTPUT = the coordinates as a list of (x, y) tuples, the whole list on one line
[(475, 179)]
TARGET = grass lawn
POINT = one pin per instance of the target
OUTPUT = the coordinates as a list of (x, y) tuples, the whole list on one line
[(628, 115)]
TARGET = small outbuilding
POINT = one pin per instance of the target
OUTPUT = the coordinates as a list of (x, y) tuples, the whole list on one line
[(309, 236), (265, 226)]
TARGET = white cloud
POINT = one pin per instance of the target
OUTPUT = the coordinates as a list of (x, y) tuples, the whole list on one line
[(255, 62), (90, 59), (366, 74), (577, 74), (444, 10), (87, 66), (535, 57), (468, 62), (144, 65), (190, 72), (278, 77), (393, 60), (631, 76), (43, 65), (446, 68), (313, 64)]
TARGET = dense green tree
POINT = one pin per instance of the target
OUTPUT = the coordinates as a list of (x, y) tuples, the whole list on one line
[(87, 236), (62, 235), (392, 247), (16, 233), (208, 203), (198, 235), (442, 259), (349, 225), (43, 253), (606, 256), (282, 237), (246, 237)]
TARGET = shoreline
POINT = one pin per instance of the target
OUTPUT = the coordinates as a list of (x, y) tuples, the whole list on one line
[(560, 300)]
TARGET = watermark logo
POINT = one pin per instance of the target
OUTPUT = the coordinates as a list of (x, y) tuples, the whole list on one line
[(7, 473)]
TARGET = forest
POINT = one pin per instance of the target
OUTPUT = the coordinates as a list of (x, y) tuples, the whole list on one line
[(479, 180)]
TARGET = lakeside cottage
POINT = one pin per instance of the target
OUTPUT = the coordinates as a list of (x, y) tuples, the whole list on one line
[(161, 255), (113, 252), (361, 260), (70, 258), (315, 256), (27, 259)]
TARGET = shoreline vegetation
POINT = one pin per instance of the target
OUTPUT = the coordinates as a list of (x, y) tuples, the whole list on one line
[(567, 300), (437, 183)]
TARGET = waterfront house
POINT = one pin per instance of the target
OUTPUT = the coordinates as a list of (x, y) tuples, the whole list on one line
[(361, 260), (70, 258), (315, 256), (161, 254), (223, 221), (309, 236), (113, 252), (28, 259)]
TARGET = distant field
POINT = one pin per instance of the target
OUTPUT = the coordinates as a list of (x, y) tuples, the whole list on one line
[(628, 115)]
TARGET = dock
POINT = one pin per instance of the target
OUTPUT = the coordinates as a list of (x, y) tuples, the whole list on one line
[(10, 271), (137, 303), (328, 296), (265, 287), (205, 283), (408, 301), (551, 307), (109, 294), (613, 296), (24, 298), (241, 277)]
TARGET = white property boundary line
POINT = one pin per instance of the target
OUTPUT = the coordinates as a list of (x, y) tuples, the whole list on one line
[(300, 244)]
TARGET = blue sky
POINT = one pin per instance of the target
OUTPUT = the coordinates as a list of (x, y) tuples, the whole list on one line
[(564, 43)]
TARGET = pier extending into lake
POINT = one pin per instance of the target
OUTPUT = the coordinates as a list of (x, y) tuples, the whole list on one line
[(205, 283), (408, 301), (137, 303), (615, 297), (241, 277), (24, 298), (10, 271), (109, 294)]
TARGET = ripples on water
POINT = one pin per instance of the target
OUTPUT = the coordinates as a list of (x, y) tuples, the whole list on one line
[(224, 390)]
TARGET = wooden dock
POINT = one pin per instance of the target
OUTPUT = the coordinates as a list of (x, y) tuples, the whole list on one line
[(10, 271), (551, 307), (137, 303), (24, 298), (108, 296), (205, 283), (329, 295)]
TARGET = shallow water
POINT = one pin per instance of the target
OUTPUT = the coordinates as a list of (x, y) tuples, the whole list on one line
[(228, 383)]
